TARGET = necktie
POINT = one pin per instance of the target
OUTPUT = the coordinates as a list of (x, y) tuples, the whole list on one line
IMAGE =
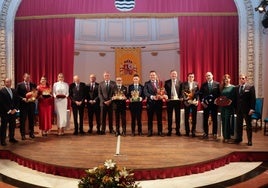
[(136, 87), (241, 89), (107, 86), (77, 87), (91, 87), (209, 86), (10, 92), (27, 86), (173, 90)]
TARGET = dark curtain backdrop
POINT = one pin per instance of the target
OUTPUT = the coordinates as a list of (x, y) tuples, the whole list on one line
[(209, 44), (47, 46)]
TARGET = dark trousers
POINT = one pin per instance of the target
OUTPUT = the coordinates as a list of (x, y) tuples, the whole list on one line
[(187, 110), (211, 109), (154, 107), (27, 110), (174, 105), (9, 119), (239, 125), (104, 111), (93, 109), (136, 111), (78, 110), (120, 114)]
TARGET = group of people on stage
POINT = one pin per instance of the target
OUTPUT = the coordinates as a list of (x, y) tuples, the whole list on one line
[(104, 99)]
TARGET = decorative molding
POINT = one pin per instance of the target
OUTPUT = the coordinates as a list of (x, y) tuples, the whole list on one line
[(127, 15), (3, 39)]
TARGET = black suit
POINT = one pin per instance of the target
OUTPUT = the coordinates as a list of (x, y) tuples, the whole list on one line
[(136, 109), (93, 105), (106, 94), (190, 107), (77, 93), (173, 105), (208, 96), (153, 106), (245, 101), (26, 108), (7, 104), (120, 110)]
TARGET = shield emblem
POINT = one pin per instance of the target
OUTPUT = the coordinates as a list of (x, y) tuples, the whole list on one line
[(124, 5)]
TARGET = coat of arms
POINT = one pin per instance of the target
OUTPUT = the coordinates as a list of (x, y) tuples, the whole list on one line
[(124, 5)]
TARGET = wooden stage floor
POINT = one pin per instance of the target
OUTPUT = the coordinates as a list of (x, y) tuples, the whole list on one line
[(139, 152)]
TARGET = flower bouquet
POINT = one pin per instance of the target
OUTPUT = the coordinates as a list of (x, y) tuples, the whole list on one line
[(108, 175), (31, 96)]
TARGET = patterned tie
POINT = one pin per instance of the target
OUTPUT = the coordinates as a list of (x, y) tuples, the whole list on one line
[(27, 86)]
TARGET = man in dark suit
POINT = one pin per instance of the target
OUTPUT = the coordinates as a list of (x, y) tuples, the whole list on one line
[(9, 106), (119, 105), (93, 103), (77, 92), (190, 91), (152, 91), (135, 95), (27, 104), (106, 88), (173, 90), (245, 107), (209, 91)]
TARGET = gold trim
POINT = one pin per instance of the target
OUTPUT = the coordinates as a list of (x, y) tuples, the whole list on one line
[(127, 15)]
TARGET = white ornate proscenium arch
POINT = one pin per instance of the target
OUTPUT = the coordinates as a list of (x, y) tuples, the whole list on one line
[(8, 9), (249, 40)]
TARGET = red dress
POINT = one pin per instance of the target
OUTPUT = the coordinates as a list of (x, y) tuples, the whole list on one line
[(45, 107)]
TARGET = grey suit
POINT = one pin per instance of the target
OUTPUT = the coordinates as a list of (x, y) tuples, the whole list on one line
[(106, 94)]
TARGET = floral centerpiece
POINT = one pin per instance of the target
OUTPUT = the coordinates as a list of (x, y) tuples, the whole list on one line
[(108, 175)]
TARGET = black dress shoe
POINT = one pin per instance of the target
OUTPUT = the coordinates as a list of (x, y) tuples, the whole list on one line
[(149, 135), (178, 134), (3, 143), (123, 134), (98, 132), (193, 135), (249, 143), (132, 134), (169, 134), (117, 134), (205, 136), (13, 140), (237, 141), (23, 138), (32, 136), (82, 132), (102, 133), (160, 134), (140, 133), (89, 131), (75, 133), (187, 134)]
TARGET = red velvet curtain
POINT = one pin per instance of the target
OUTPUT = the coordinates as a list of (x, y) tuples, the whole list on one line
[(209, 44), (44, 47)]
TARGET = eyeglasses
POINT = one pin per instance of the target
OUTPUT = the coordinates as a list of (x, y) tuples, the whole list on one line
[(242, 78)]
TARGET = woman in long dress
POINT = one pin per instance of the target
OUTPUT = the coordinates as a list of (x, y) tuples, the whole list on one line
[(45, 106), (60, 93), (227, 111)]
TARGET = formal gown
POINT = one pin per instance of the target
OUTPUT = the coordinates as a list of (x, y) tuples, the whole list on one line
[(61, 89), (45, 108)]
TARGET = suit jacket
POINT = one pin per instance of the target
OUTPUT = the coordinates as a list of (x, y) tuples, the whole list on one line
[(245, 100), (8, 103), (93, 94), (120, 104), (168, 87), (206, 95), (77, 94), (105, 95), (140, 89), (149, 90), (21, 89), (186, 88)]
